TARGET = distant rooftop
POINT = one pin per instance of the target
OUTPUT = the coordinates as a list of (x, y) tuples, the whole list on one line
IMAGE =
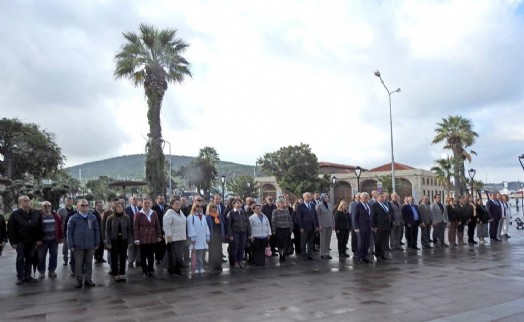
[(387, 167)]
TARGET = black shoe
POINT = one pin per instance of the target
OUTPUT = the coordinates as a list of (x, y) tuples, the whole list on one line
[(19, 281), (346, 255), (428, 247), (90, 283), (130, 265), (110, 272), (384, 258), (323, 257), (310, 258), (30, 279), (329, 257), (151, 275), (65, 264), (366, 260), (79, 284), (415, 248), (146, 275), (401, 243)]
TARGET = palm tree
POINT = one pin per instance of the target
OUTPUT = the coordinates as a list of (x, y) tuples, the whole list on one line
[(457, 134), (444, 171), (153, 59)]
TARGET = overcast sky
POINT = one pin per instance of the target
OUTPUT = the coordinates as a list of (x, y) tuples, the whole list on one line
[(268, 74)]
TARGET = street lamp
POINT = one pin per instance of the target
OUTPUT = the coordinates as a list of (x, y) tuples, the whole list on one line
[(334, 180), (377, 73), (472, 173), (358, 172), (223, 180)]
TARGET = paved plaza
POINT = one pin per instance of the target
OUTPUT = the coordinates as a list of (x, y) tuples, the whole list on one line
[(467, 283)]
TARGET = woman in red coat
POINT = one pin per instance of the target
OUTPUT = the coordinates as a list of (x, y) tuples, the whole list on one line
[(147, 233)]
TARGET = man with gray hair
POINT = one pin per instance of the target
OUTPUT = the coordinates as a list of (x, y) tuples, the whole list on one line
[(65, 213), (307, 220), (362, 226), (439, 214), (83, 237), (398, 225)]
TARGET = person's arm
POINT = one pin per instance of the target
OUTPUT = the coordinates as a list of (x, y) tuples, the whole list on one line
[(96, 230), (11, 231), (136, 228), (167, 226), (109, 227)]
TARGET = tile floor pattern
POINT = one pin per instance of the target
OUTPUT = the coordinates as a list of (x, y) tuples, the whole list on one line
[(468, 283)]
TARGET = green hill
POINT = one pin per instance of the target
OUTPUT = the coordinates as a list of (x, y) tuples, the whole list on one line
[(132, 167)]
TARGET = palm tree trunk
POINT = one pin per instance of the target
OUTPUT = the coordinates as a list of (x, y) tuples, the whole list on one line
[(456, 173), (155, 86)]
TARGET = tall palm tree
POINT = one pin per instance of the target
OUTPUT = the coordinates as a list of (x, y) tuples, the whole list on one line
[(457, 134), (152, 59), (444, 171)]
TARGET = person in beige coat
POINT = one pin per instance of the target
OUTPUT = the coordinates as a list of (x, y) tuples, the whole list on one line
[(324, 211)]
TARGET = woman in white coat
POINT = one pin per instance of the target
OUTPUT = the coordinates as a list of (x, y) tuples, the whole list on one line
[(198, 234), (174, 226), (261, 231)]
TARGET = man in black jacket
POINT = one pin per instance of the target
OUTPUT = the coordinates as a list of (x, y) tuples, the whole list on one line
[(25, 233), (160, 208), (381, 226), (267, 209)]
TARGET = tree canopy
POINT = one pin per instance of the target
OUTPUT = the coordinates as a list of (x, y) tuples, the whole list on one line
[(243, 186), (296, 169), (202, 171)]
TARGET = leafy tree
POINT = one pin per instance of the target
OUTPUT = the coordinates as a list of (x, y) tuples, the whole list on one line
[(58, 185), (244, 186), (296, 169), (27, 154), (457, 134), (152, 59), (202, 171), (443, 170), (27, 150), (100, 188)]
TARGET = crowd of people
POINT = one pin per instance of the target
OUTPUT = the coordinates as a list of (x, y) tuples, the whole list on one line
[(182, 235)]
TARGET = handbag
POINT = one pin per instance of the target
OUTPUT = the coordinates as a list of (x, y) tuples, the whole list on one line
[(268, 251)]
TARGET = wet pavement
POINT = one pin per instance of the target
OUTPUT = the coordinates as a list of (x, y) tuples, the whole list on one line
[(467, 283)]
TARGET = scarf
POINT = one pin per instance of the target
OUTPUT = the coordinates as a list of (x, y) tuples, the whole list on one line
[(215, 216)]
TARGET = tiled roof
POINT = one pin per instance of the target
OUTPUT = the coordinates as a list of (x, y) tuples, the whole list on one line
[(387, 167)]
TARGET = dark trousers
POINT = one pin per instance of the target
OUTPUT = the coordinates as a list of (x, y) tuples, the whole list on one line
[(363, 244), (342, 238), (493, 226), (307, 237), (160, 250), (381, 238), (259, 246), (99, 252), (471, 231), (412, 234), (175, 252), (215, 252), (147, 257), (50, 246), (425, 235), (239, 243), (296, 240), (118, 256), (25, 252), (354, 242)]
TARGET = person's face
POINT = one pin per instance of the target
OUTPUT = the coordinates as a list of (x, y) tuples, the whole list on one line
[(176, 205), (183, 201), (146, 204), (46, 207), (269, 200), (69, 202), (257, 210), (326, 198), (119, 208), (82, 206), (307, 197), (300, 201), (317, 196), (134, 201), (380, 198), (426, 199), (99, 206), (344, 206), (438, 198), (25, 202), (364, 199), (237, 204), (160, 199), (217, 200), (286, 197)]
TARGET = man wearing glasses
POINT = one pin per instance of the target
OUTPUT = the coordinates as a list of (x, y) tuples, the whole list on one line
[(25, 232), (52, 236), (83, 237)]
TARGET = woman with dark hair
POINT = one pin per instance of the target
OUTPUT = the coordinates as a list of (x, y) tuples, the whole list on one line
[(342, 228), (482, 220), (118, 232), (282, 226), (175, 230), (453, 222), (238, 230), (147, 233)]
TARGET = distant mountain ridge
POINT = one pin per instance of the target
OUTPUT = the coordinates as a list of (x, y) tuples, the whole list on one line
[(132, 167)]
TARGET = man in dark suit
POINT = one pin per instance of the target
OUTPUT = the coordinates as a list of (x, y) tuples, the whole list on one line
[(362, 226), (98, 212), (381, 225), (308, 224), (494, 208), (411, 218), (133, 251), (160, 207)]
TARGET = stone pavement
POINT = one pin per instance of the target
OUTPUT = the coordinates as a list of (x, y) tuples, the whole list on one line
[(468, 283)]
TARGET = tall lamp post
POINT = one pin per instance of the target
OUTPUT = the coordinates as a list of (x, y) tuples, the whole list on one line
[(358, 172), (223, 180), (334, 181), (377, 73), (521, 157), (471, 173)]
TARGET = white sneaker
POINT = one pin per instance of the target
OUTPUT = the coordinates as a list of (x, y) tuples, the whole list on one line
[(202, 271)]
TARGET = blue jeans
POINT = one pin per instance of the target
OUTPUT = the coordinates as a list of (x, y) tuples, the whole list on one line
[(52, 247), (25, 253), (239, 243)]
